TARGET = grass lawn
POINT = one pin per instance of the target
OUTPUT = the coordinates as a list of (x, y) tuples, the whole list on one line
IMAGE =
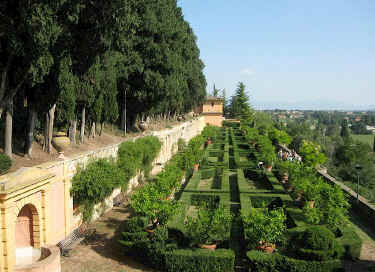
[(369, 139)]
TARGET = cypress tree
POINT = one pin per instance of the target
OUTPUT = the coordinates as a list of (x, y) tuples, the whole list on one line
[(345, 132)]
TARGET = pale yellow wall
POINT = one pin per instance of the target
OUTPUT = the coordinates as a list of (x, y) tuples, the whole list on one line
[(57, 211), (213, 106), (215, 120)]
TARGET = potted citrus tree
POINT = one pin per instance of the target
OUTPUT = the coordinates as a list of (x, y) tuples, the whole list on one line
[(210, 226), (151, 203), (264, 228)]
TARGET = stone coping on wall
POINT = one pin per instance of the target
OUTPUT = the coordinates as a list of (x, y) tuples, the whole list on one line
[(22, 178), (351, 192)]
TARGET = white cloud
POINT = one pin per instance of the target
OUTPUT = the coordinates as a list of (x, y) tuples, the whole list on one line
[(247, 72)]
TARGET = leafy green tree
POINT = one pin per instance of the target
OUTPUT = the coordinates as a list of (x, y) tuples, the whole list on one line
[(311, 154)]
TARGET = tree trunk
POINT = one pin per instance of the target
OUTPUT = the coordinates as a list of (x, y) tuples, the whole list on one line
[(8, 129), (83, 120), (92, 130), (49, 131), (123, 119), (73, 131), (101, 128), (45, 143), (30, 131)]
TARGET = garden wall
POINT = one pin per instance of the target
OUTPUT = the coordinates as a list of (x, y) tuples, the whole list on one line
[(168, 138), (53, 179)]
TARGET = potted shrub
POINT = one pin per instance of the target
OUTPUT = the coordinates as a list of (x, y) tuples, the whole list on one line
[(208, 141), (264, 228), (210, 226), (149, 202)]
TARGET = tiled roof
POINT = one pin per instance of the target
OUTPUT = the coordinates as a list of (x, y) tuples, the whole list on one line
[(210, 97)]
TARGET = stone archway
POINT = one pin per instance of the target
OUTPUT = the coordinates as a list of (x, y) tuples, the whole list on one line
[(27, 227)]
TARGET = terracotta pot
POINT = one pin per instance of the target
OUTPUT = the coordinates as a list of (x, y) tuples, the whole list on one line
[(285, 178), (299, 196), (310, 204), (149, 230), (267, 247), (60, 141), (269, 168), (210, 247), (196, 167), (289, 188)]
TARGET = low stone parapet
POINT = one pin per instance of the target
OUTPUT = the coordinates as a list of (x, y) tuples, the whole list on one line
[(49, 262)]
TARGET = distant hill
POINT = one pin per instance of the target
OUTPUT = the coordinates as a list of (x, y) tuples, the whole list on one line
[(311, 105)]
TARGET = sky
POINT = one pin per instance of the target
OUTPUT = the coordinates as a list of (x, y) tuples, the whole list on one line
[(288, 52)]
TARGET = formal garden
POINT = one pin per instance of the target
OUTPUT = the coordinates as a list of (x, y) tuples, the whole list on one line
[(232, 214)]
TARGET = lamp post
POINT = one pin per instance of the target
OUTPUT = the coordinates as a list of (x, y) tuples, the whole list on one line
[(358, 168)]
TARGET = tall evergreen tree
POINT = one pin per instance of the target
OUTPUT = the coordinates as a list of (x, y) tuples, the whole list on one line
[(215, 91), (239, 106), (345, 132)]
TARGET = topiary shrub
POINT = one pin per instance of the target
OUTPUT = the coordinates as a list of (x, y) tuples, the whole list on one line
[(264, 262), (5, 163), (219, 260), (318, 243)]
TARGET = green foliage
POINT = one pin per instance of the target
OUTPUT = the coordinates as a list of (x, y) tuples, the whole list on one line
[(138, 155), (279, 137), (193, 153), (331, 208), (264, 262), (263, 225), (150, 202), (149, 148), (239, 105), (318, 243), (220, 260), (5, 163), (311, 154), (266, 151), (211, 132), (351, 242), (129, 159), (138, 243), (210, 225), (94, 183), (345, 131)]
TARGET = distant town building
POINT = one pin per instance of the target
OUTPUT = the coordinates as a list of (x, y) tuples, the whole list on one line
[(212, 110), (371, 128)]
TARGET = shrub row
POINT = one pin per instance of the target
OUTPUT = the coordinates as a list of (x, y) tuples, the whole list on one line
[(220, 260), (264, 262)]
